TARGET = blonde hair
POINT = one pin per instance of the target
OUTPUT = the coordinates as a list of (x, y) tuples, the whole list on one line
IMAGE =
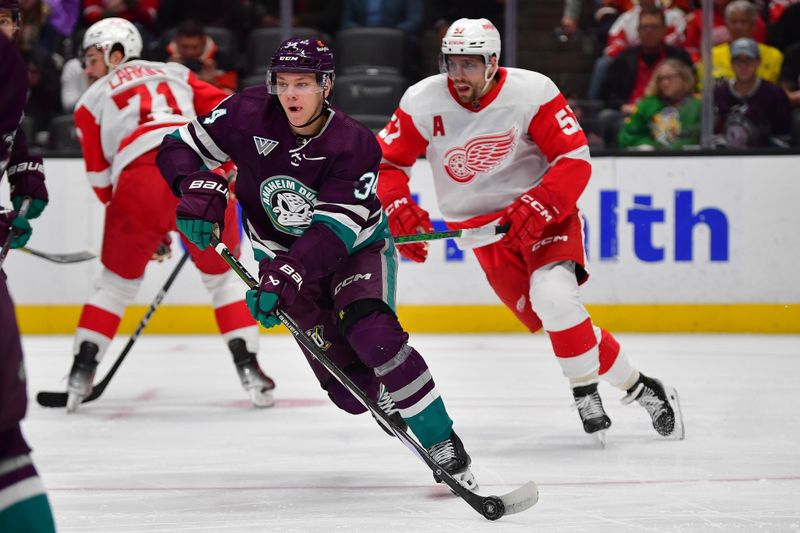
[(680, 67)]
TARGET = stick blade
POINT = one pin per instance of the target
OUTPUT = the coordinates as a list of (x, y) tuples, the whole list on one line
[(76, 257), (521, 498), (52, 399)]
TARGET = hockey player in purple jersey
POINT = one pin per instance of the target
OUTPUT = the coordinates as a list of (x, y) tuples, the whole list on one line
[(306, 184), (23, 502)]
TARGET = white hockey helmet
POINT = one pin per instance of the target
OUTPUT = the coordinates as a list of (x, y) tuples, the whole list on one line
[(108, 33), (472, 37)]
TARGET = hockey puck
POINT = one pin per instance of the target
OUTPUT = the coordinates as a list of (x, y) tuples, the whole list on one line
[(493, 508)]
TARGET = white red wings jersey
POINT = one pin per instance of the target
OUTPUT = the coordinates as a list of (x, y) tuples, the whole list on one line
[(129, 111), (520, 136)]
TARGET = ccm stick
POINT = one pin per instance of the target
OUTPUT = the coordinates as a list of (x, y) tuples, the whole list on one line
[(59, 399), (485, 231), (491, 507)]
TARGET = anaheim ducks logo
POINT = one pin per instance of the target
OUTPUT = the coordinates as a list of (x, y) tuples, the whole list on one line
[(481, 154)]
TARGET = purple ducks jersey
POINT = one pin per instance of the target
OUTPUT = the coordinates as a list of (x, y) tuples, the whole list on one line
[(285, 182), (12, 98)]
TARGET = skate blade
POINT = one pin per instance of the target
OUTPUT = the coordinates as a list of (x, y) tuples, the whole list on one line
[(599, 438), (678, 433), (261, 398), (73, 401)]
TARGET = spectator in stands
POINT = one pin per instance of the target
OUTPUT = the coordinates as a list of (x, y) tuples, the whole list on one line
[(144, 12), (624, 33), (790, 74), (44, 91), (740, 19), (790, 82), (668, 117), (228, 14), (630, 72), (323, 15), (786, 29), (198, 51), (750, 111), (720, 33), (405, 15)]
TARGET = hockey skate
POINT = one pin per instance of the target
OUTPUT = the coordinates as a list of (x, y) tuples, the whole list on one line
[(590, 408), (81, 375), (661, 402), (386, 403), (257, 384), (451, 456)]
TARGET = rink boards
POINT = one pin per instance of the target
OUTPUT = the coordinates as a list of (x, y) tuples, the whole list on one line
[(674, 244)]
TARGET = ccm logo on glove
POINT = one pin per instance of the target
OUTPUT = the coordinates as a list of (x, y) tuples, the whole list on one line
[(208, 184), (400, 202), (538, 207)]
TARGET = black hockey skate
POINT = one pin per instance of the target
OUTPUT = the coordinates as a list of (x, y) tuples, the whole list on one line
[(81, 375), (451, 456), (386, 403), (661, 402), (257, 384), (590, 408)]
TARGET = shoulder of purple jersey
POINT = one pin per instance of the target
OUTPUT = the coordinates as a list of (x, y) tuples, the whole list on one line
[(354, 136), (14, 76)]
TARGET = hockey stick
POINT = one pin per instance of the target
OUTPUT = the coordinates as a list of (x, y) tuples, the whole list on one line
[(64, 259), (23, 210), (485, 231), (59, 399), (491, 507)]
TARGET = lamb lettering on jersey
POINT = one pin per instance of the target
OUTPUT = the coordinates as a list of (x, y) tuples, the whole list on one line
[(132, 72)]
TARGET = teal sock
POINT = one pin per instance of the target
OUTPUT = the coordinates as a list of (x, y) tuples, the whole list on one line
[(432, 424), (32, 515)]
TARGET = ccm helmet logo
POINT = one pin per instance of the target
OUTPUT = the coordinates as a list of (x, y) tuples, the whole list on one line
[(208, 184), (288, 58)]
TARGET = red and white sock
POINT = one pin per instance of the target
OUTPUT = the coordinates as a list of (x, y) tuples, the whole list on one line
[(103, 311), (233, 318)]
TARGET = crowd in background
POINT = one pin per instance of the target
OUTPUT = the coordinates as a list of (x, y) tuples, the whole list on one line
[(644, 87)]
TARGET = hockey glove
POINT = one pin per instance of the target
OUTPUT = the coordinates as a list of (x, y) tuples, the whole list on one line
[(164, 250), (27, 180), (527, 216), (405, 218), (204, 197), (19, 227), (281, 280)]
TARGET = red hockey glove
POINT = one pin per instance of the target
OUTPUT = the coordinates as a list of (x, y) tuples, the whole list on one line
[(406, 218), (528, 216)]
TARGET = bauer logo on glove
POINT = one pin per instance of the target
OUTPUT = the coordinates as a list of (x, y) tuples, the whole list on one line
[(208, 184)]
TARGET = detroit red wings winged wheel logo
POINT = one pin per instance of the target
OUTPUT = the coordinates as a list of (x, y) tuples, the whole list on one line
[(479, 155)]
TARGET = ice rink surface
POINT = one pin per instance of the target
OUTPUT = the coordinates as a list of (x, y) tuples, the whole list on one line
[(173, 445)]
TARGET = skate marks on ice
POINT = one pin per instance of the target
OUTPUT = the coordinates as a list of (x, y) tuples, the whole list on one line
[(189, 460)]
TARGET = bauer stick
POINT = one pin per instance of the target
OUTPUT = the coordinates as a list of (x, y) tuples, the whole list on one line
[(485, 231), (59, 399), (491, 507), (64, 259), (23, 210)]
